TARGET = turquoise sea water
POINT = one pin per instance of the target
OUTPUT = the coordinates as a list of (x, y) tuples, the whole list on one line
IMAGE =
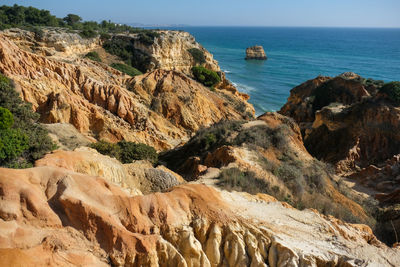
[(298, 54)]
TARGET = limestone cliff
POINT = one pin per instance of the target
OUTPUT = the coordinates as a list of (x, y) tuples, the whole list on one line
[(53, 42), (161, 108), (63, 218), (170, 51)]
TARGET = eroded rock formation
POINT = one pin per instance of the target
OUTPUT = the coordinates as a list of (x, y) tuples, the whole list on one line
[(345, 121), (161, 108), (64, 218)]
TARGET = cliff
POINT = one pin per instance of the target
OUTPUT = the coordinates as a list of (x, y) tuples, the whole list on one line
[(65, 218), (349, 122), (103, 103), (345, 120)]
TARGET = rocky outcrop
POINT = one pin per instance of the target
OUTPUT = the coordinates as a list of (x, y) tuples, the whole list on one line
[(136, 178), (271, 148), (63, 218), (170, 51), (255, 52), (345, 121), (161, 108), (53, 42)]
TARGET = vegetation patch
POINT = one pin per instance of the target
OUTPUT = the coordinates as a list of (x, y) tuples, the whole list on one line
[(124, 48), (233, 179), (205, 76), (88, 33), (93, 56), (22, 139), (147, 37), (126, 69), (28, 17), (198, 55), (392, 90), (126, 152)]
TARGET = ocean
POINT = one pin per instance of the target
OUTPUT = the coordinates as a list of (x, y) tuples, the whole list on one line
[(296, 55)]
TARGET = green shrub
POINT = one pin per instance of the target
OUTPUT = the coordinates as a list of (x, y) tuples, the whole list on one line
[(124, 48), (105, 36), (12, 143), (25, 125), (392, 90), (198, 55), (88, 33), (126, 69), (106, 148), (6, 118), (136, 151), (147, 37), (126, 152), (93, 56), (205, 76)]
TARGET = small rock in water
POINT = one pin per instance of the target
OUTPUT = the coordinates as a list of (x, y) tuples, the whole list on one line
[(256, 52)]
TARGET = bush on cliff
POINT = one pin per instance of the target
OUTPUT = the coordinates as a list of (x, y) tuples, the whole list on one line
[(93, 56), (136, 151), (148, 37), (126, 69), (205, 76), (88, 33), (12, 141), (197, 55), (124, 48), (126, 152), (24, 128), (392, 90)]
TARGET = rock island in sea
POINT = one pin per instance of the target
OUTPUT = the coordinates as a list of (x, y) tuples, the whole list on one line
[(256, 52)]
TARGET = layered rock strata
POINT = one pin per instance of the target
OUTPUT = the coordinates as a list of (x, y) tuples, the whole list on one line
[(161, 108), (62, 218)]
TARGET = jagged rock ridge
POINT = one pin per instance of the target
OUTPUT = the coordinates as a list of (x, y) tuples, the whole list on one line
[(101, 102)]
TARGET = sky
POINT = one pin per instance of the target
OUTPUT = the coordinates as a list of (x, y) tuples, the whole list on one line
[(313, 13)]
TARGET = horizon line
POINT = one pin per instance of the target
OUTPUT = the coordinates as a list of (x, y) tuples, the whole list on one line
[(261, 26)]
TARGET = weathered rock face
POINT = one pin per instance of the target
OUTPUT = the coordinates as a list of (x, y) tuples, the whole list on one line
[(64, 218), (256, 52), (345, 121), (105, 104), (137, 178), (170, 51), (53, 42)]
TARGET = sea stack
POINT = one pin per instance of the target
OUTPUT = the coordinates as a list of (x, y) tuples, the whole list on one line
[(256, 52)]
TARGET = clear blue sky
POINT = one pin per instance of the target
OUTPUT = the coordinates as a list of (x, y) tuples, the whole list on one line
[(340, 13)]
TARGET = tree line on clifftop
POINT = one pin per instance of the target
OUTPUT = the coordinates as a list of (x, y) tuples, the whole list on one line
[(32, 18)]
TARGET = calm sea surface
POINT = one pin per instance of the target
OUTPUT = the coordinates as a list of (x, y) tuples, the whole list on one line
[(298, 54)]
